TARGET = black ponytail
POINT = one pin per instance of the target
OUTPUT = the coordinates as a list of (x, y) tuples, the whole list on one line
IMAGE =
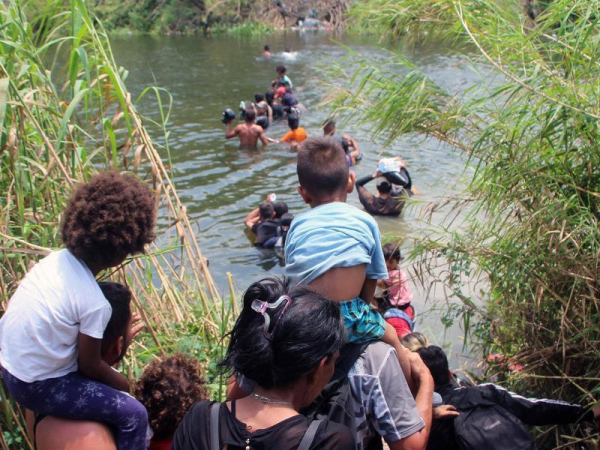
[(304, 332)]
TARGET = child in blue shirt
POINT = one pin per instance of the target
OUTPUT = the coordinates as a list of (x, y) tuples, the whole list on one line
[(336, 248)]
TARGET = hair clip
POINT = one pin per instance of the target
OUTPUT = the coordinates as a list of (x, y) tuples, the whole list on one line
[(261, 307)]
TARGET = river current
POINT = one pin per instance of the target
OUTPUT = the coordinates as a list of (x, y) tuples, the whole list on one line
[(220, 183)]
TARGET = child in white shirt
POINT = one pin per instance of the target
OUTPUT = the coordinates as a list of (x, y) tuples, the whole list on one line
[(51, 333)]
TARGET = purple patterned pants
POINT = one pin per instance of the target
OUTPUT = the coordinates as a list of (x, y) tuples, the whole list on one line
[(77, 397)]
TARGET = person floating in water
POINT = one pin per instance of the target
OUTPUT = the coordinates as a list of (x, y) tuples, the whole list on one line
[(266, 52), (248, 132), (288, 54), (262, 223)]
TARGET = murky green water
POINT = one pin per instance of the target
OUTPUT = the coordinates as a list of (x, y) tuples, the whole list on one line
[(220, 183)]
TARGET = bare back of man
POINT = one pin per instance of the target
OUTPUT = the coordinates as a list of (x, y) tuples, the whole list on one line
[(248, 132)]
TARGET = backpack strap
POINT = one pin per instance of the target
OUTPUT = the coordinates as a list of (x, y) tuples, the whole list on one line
[(310, 434), (214, 426)]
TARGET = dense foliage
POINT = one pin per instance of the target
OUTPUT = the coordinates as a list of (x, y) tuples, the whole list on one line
[(530, 130), (64, 113)]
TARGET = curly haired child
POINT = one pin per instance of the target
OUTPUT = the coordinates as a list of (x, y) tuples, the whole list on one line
[(51, 333), (168, 389)]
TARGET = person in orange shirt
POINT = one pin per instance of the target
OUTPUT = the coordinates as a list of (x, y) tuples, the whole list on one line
[(297, 134)]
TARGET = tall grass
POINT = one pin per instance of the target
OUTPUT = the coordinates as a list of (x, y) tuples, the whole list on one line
[(530, 131), (65, 113)]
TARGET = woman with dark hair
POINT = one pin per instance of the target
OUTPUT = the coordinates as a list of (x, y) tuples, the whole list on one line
[(286, 341)]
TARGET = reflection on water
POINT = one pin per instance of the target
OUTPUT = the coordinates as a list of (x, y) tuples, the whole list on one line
[(220, 183)]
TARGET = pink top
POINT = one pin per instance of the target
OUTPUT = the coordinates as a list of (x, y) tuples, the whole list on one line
[(399, 292)]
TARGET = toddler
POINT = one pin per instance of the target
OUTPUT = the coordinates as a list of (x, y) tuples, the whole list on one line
[(51, 334), (168, 389), (336, 248)]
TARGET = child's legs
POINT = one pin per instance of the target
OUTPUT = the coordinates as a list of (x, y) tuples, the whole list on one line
[(76, 397), (391, 337), (362, 322)]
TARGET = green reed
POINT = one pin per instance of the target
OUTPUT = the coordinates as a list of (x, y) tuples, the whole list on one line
[(65, 113), (530, 132)]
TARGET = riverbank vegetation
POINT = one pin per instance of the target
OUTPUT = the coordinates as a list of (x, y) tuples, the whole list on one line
[(530, 131), (242, 17), (65, 113)]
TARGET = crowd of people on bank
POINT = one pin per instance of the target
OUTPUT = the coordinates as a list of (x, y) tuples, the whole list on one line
[(320, 359)]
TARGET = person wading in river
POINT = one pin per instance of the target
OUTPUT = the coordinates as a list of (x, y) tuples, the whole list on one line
[(248, 132)]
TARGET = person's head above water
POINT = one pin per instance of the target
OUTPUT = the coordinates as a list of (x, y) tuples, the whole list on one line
[(280, 208), (293, 121), (269, 97), (250, 115), (384, 187), (267, 48), (281, 70), (266, 210), (107, 218), (258, 97), (323, 172), (115, 338), (329, 127), (168, 388), (437, 362), (285, 337)]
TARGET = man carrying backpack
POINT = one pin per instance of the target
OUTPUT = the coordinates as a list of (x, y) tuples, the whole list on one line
[(490, 417), (369, 394)]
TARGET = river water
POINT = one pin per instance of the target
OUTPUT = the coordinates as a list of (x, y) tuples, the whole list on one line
[(220, 183)]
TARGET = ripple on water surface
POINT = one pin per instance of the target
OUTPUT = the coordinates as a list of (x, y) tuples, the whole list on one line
[(221, 183)]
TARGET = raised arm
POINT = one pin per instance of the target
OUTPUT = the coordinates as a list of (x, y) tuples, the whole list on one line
[(231, 132), (252, 218), (91, 364)]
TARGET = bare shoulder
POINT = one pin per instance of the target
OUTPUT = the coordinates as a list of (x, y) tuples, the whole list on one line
[(62, 434)]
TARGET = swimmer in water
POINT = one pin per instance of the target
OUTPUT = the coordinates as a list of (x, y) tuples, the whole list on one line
[(266, 51), (282, 77), (288, 54), (248, 132)]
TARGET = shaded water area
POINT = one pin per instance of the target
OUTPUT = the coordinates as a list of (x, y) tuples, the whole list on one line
[(220, 183)]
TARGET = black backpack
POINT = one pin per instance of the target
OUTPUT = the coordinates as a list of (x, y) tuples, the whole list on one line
[(483, 424), (335, 401)]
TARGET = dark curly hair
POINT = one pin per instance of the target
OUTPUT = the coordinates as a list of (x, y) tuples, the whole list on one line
[(108, 218), (168, 389)]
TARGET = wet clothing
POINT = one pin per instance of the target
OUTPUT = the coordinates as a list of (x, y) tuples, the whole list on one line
[(528, 411), (286, 79), (288, 100), (74, 396), (194, 432), (278, 112), (333, 235), (391, 206), (384, 405), (364, 324), (297, 135), (265, 230)]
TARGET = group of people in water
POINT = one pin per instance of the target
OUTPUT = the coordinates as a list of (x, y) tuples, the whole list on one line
[(320, 359)]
